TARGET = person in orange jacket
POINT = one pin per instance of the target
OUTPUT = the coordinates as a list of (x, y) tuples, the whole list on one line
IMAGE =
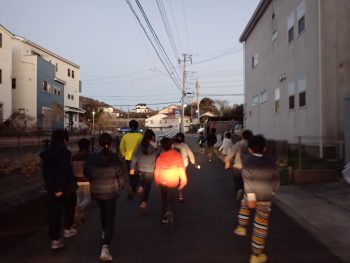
[(170, 176)]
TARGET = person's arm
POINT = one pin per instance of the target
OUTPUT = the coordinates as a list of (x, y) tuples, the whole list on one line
[(122, 146), (182, 172), (135, 159), (190, 154)]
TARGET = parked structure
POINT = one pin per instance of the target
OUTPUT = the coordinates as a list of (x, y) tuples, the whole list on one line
[(297, 71), (38, 83)]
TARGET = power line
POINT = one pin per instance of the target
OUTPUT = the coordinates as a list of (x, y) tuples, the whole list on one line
[(117, 76), (227, 53), (163, 14), (186, 27), (174, 20), (174, 77)]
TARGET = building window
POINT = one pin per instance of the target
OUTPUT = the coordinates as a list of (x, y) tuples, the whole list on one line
[(274, 35), (68, 72), (302, 91), (151, 121), (263, 97), (44, 85), (0, 40), (255, 61), (13, 83), (0, 76), (59, 92), (301, 17), (72, 97), (277, 100), (56, 67), (73, 74), (290, 24), (21, 111), (69, 96), (291, 95), (255, 100)]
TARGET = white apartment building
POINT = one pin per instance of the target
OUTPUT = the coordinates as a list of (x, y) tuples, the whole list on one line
[(5, 72), (39, 78), (297, 65)]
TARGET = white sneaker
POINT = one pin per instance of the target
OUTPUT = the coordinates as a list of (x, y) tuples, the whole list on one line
[(105, 254), (70, 232), (56, 244)]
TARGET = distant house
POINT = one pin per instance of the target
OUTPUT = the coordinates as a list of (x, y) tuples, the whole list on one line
[(297, 81), (141, 108), (168, 117)]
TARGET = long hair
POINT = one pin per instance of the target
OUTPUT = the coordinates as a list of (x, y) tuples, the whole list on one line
[(105, 141), (147, 137)]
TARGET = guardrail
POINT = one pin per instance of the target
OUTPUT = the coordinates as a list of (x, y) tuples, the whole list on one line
[(170, 133)]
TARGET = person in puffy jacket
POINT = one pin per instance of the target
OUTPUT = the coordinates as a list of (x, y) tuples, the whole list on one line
[(186, 153), (144, 159), (261, 181), (170, 176), (61, 186), (105, 173)]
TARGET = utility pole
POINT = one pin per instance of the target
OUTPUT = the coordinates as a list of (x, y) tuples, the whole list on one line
[(187, 58), (197, 93)]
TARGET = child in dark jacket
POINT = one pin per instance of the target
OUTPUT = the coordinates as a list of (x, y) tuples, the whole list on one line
[(60, 185), (170, 175), (261, 181), (105, 173), (211, 140)]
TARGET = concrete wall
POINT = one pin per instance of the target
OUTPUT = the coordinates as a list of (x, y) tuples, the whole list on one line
[(282, 63), (6, 68), (25, 71)]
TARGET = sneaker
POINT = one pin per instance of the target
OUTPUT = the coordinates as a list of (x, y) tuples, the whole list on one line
[(56, 244), (240, 231), (261, 258), (105, 254), (140, 190), (181, 199), (168, 218), (70, 232), (143, 205), (103, 235)]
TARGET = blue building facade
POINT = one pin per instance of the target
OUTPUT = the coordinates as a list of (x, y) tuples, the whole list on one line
[(50, 96)]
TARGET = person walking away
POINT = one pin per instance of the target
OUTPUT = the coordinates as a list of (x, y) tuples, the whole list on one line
[(61, 186), (187, 155), (83, 192), (201, 140), (261, 181), (105, 173), (144, 158), (211, 140), (227, 144), (127, 147), (238, 149), (170, 176)]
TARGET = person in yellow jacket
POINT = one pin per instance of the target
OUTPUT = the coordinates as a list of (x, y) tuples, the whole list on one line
[(127, 147)]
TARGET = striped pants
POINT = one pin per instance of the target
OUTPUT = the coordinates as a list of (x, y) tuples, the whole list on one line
[(261, 222)]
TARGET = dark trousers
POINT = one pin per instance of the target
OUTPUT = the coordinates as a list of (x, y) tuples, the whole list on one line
[(169, 198), (59, 207), (237, 179), (133, 179), (146, 183), (107, 214)]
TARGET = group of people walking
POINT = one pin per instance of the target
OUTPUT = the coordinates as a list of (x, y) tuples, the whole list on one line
[(70, 180)]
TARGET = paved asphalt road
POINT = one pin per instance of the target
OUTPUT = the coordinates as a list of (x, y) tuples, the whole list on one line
[(203, 231)]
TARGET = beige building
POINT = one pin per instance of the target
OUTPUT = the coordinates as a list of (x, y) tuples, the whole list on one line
[(297, 65)]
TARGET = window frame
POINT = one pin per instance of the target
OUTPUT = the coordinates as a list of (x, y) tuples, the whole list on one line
[(0, 40), (13, 83), (45, 86)]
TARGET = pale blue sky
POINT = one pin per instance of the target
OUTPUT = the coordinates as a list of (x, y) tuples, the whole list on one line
[(115, 57)]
